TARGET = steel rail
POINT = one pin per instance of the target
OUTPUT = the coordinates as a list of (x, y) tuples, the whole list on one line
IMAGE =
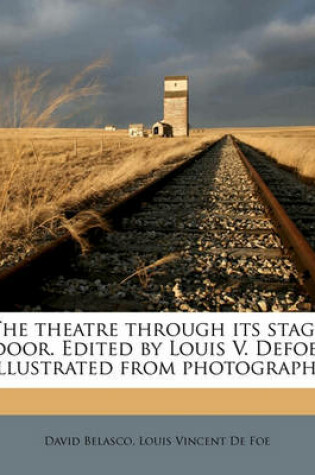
[(293, 238), (24, 278)]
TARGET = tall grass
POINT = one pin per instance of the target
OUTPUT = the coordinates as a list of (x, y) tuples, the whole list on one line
[(24, 170), (291, 147), (47, 171), (28, 102)]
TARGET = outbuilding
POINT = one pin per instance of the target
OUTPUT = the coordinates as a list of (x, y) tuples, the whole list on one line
[(161, 129), (136, 130)]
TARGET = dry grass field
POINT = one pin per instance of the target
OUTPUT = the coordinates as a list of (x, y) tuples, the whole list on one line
[(291, 146), (45, 171)]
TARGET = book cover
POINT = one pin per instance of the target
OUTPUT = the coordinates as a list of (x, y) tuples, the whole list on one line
[(157, 232)]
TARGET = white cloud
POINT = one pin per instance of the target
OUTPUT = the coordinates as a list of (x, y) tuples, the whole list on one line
[(41, 18), (298, 32)]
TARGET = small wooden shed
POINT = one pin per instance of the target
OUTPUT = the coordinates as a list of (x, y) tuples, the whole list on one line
[(161, 129), (136, 130)]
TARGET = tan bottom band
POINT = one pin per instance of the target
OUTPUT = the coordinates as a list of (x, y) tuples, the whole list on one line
[(157, 401)]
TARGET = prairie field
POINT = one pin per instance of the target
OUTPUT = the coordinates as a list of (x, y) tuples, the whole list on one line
[(290, 146), (45, 171)]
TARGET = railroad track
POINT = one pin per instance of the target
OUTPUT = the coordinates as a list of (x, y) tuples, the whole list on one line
[(200, 239)]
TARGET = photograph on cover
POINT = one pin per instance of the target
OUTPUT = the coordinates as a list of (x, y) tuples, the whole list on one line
[(157, 156)]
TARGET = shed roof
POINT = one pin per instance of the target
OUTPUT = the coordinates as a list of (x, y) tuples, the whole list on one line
[(161, 122)]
